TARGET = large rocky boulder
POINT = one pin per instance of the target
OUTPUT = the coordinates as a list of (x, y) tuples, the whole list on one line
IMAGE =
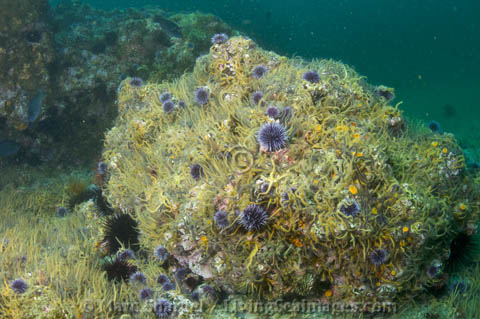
[(281, 177)]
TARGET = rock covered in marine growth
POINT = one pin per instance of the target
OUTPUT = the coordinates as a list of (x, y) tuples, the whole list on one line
[(333, 196), (63, 71), (26, 49)]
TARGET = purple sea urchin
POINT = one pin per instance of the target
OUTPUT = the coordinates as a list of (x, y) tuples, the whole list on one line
[(195, 296), (350, 208), (457, 287), (385, 92), (62, 211), (145, 294), (181, 274), (256, 97), (221, 219), (287, 196), (167, 286), (138, 277), (264, 187), (435, 127), (200, 96), (102, 168), (126, 254), (163, 308), (162, 279), (165, 96), (219, 38), (161, 253), (433, 271), (378, 256), (196, 171), (311, 76), (19, 286), (136, 82), (272, 137), (253, 217), (272, 112), (168, 106), (208, 290), (259, 71)]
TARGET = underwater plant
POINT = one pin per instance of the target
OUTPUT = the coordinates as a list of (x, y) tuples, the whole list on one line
[(458, 287), (285, 115)]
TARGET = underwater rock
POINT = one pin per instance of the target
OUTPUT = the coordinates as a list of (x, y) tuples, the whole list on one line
[(8, 148), (352, 210), (66, 72), (26, 50)]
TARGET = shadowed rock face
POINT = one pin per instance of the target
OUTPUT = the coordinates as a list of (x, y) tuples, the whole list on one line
[(26, 49), (57, 94)]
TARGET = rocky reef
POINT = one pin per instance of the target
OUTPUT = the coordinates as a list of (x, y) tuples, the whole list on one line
[(64, 65), (282, 178), (26, 49)]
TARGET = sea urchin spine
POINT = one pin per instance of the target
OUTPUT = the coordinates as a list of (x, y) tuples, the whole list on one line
[(272, 137), (253, 217)]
